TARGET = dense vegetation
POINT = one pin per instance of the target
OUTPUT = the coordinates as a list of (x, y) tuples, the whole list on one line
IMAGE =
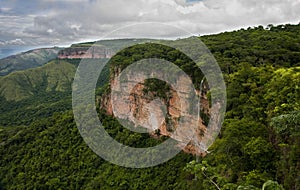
[(26, 60), (257, 147), (263, 77), (53, 156)]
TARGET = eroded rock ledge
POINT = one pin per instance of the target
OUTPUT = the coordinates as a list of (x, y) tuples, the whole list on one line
[(159, 115)]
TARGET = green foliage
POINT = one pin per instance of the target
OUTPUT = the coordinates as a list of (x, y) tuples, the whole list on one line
[(158, 88), (269, 185), (35, 93), (259, 140), (288, 139), (55, 76), (259, 151), (248, 141), (152, 50), (27, 60), (248, 187), (277, 46), (283, 91), (272, 185), (256, 178), (258, 144), (206, 175), (50, 154)]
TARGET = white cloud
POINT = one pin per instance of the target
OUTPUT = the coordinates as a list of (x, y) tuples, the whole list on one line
[(5, 9), (68, 21), (12, 42)]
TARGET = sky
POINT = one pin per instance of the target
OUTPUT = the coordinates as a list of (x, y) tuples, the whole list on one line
[(36, 23)]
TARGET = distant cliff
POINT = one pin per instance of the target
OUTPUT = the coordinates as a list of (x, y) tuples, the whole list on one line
[(98, 52), (38, 57)]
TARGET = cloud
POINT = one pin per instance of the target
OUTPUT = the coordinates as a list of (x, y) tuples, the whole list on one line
[(12, 42), (5, 10), (59, 22)]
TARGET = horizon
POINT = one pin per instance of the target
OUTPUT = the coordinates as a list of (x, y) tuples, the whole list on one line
[(7, 51), (44, 23)]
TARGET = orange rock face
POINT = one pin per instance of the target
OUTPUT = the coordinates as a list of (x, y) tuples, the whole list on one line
[(153, 113)]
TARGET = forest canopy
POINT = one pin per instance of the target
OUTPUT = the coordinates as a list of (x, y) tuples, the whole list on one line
[(258, 146)]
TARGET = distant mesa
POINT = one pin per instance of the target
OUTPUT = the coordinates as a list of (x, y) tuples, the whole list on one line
[(99, 52), (39, 57)]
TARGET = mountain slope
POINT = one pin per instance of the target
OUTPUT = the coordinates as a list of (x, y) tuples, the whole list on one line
[(56, 75), (29, 59)]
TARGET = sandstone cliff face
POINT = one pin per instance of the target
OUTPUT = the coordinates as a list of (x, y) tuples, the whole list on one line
[(161, 117), (85, 52)]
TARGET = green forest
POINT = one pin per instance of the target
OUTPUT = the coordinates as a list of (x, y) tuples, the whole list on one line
[(258, 146)]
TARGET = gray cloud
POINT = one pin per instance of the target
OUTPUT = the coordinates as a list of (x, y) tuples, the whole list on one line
[(13, 42), (60, 22)]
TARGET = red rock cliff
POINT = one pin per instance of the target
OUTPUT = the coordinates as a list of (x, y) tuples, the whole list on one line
[(144, 108)]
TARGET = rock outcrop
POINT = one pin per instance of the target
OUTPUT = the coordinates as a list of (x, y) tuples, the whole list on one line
[(98, 52), (161, 117)]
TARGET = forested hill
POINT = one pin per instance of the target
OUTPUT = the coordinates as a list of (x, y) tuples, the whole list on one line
[(27, 60), (258, 146), (278, 46)]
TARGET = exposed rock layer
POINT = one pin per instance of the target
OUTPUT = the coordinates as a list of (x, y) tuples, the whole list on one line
[(98, 52), (159, 116)]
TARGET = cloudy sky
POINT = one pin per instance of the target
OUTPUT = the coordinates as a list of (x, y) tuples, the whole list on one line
[(60, 22)]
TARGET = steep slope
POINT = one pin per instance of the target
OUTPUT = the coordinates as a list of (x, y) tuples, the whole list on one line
[(56, 75), (36, 93), (29, 59), (145, 99)]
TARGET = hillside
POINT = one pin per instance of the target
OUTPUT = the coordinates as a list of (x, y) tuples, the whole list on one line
[(56, 75), (27, 60), (35, 93), (258, 146)]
